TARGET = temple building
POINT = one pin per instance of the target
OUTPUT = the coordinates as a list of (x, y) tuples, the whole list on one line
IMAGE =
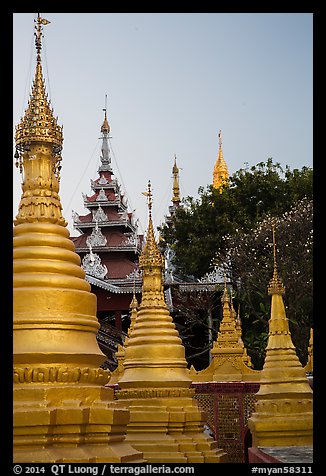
[(109, 246), (220, 172)]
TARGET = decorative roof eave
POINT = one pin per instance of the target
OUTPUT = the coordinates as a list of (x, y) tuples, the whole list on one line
[(111, 287), (102, 182), (201, 287), (80, 225), (104, 203), (102, 249)]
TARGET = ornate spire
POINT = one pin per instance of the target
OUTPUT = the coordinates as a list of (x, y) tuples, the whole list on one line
[(176, 187), (151, 256), (275, 284), (221, 172), (39, 141), (39, 124), (105, 129), (105, 157)]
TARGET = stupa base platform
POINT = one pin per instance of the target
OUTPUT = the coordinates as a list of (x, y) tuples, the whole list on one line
[(285, 430), (163, 448), (168, 429), (75, 424)]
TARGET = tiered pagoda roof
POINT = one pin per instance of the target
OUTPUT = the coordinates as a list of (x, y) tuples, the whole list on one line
[(109, 247), (109, 244)]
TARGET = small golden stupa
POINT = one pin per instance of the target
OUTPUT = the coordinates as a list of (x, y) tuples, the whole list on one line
[(165, 421), (62, 411), (283, 413), (220, 172), (230, 361)]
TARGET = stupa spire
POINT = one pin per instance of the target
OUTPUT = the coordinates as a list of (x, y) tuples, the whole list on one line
[(176, 186), (105, 149), (283, 412), (39, 141), (220, 172)]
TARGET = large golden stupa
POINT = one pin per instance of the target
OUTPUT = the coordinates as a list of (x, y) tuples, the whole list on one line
[(62, 411)]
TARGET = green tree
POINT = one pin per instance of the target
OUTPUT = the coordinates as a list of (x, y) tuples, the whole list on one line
[(248, 261), (234, 228), (200, 225)]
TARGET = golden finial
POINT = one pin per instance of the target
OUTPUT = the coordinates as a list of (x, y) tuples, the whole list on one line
[(176, 187), (220, 139), (225, 296), (150, 255), (275, 284), (39, 124), (38, 34), (105, 126), (134, 303)]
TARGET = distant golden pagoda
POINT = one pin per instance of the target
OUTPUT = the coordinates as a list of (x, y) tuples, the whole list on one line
[(165, 421), (62, 411), (220, 172), (283, 413)]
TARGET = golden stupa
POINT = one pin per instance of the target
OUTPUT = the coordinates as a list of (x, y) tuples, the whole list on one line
[(62, 411), (165, 421), (220, 172), (283, 413)]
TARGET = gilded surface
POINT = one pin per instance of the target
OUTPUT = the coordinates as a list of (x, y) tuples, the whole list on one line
[(283, 413), (220, 172), (166, 423), (230, 361), (62, 411)]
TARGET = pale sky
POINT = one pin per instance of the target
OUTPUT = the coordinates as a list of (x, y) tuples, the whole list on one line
[(172, 81)]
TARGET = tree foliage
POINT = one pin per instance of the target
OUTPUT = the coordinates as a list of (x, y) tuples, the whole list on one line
[(200, 224), (248, 261), (233, 228)]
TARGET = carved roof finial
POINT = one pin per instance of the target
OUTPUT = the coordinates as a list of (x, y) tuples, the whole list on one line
[(105, 126)]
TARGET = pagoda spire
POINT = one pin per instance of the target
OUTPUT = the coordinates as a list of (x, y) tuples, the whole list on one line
[(176, 186), (220, 172), (165, 421), (283, 411), (62, 412), (39, 141), (105, 149)]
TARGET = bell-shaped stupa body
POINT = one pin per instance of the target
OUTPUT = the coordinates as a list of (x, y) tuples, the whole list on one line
[(62, 412), (165, 421), (283, 413)]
